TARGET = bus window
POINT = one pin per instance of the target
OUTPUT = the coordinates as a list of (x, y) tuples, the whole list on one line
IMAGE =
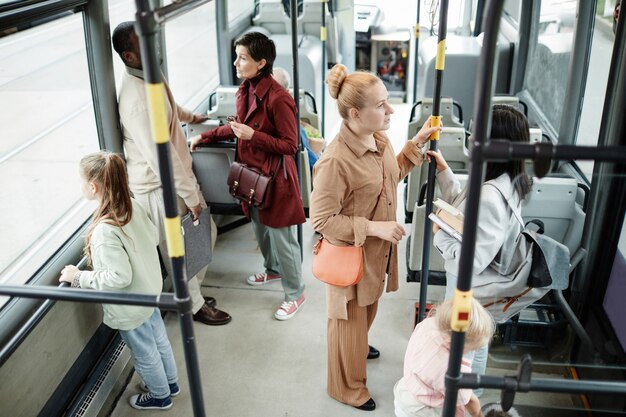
[(191, 48), (549, 58), (51, 125), (239, 9), (595, 89)]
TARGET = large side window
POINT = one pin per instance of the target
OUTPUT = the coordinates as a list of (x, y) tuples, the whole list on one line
[(237, 9), (597, 78), (47, 125), (191, 48), (549, 60), (192, 55)]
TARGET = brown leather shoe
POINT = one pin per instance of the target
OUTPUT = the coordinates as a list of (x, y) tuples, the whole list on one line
[(212, 316)]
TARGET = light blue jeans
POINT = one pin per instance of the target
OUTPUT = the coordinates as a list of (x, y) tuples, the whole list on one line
[(477, 357), (153, 356)]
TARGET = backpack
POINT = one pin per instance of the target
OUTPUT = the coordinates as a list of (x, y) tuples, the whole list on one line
[(538, 263)]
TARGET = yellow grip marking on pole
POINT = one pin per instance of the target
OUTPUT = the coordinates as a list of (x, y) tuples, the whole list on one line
[(441, 55), (158, 114), (417, 30), (435, 121), (322, 33), (174, 236), (461, 310)]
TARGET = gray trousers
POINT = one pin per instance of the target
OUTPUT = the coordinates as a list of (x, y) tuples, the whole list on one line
[(281, 252)]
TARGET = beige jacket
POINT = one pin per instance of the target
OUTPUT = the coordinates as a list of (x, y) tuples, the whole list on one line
[(351, 185), (141, 150)]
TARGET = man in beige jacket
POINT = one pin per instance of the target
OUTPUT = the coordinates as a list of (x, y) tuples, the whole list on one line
[(142, 160)]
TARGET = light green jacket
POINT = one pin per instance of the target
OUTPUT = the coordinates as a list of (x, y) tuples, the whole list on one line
[(125, 259)]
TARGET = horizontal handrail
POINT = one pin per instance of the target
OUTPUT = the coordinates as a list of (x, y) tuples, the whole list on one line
[(176, 9), (498, 149), (30, 324), (165, 301), (474, 381)]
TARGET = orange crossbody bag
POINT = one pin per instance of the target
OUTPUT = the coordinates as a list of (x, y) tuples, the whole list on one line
[(337, 265)]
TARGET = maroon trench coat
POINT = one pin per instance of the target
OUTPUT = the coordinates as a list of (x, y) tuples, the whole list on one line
[(273, 118)]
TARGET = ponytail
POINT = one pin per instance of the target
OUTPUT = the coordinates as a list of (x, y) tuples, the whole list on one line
[(108, 170)]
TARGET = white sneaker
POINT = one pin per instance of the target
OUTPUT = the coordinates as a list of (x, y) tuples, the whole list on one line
[(288, 309)]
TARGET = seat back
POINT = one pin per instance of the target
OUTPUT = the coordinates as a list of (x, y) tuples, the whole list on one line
[(452, 146), (271, 16), (451, 114), (222, 103), (211, 165), (553, 201), (414, 255)]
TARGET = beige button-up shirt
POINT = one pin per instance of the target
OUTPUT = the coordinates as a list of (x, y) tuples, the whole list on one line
[(353, 184)]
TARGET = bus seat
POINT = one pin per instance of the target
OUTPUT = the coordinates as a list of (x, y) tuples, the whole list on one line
[(211, 164), (423, 109), (272, 17), (222, 103), (553, 201), (308, 108), (452, 146), (536, 136), (415, 245), (512, 101)]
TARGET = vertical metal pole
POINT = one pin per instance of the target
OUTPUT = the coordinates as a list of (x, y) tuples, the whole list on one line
[(416, 52), (146, 28), (323, 36), (435, 120), (482, 117), (296, 96), (224, 54)]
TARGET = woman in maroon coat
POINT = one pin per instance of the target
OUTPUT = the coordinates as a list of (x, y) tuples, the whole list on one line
[(265, 125)]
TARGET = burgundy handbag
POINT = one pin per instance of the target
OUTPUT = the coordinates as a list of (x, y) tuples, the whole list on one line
[(250, 185)]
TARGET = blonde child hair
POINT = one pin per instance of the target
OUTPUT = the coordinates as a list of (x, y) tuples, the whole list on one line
[(481, 327)]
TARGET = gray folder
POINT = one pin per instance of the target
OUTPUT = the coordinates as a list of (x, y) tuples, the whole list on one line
[(197, 239)]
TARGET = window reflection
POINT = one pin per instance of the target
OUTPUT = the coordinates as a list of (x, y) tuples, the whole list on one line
[(192, 55), (549, 58), (51, 125)]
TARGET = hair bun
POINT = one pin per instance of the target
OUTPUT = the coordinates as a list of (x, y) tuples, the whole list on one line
[(335, 78)]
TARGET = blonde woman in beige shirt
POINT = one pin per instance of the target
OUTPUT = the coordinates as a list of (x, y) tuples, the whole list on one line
[(354, 203)]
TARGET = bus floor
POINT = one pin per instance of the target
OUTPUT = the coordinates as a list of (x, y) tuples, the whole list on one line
[(258, 366)]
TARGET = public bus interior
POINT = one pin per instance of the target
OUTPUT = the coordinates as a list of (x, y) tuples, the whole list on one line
[(58, 80)]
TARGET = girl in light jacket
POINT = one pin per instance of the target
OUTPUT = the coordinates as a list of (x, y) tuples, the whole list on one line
[(498, 226), (121, 245), (354, 203)]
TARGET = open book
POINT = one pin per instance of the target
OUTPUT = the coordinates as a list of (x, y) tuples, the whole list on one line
[(449, 218)]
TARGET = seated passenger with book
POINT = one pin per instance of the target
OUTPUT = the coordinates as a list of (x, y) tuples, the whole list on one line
[(497, 227)]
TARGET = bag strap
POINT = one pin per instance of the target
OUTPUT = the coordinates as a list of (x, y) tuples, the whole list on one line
[(517, 216)]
